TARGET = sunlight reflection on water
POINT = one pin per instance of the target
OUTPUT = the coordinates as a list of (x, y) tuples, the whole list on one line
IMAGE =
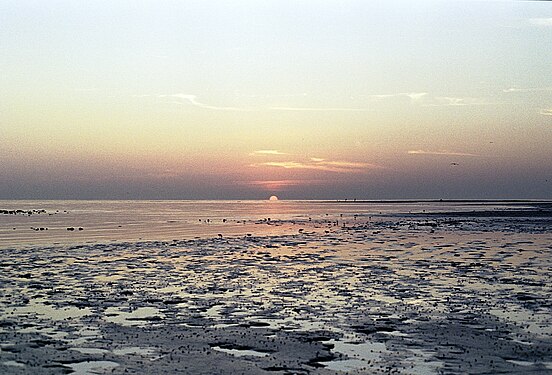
[(104, 221)]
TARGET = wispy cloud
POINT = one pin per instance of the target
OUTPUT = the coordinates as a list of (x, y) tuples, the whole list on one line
[(321, 165), (276, 184), (523, 90), (320, 109), (416, 98), (270, 96), (547, 22), (449, 101), (440, 152), (181, 98), (267, 152), (546, 112), (411, 95), (424, 99), (192, 99), (285, 164)]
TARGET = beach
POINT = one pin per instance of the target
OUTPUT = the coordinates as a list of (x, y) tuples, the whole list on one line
[(410, 287)]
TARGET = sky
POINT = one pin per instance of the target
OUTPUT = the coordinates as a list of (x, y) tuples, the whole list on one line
[(382, 99)]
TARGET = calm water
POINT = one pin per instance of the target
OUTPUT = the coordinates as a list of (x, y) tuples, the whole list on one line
[(104, 221)]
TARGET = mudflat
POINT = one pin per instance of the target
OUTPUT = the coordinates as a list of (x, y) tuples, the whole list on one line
[(418, 294)]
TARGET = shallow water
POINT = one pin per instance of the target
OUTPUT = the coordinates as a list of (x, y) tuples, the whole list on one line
[(104, 221), (414, 293)]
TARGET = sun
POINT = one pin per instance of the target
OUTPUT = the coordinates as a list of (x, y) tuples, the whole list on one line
[(273, 198)]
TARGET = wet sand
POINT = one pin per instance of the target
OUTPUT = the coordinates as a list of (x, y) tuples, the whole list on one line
[(419, 294)]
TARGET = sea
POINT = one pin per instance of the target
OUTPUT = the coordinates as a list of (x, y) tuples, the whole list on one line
[(57, 222), (256, 287)]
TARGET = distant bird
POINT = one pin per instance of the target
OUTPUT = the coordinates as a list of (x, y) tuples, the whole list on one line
[(453, 163)]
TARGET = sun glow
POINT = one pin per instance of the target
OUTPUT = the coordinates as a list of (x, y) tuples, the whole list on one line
[(273, 198)]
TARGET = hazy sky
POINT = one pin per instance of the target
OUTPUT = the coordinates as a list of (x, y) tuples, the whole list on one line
[(302, 99)]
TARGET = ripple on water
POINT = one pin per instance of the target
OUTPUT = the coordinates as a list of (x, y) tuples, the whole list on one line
[(359, 354), (92, 367), (90, 350), (49, 312), (134, 350), (421, 363), (238, 352), (13, 363), (137, 317)]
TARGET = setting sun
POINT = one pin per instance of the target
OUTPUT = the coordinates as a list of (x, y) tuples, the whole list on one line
[(273, 198)]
